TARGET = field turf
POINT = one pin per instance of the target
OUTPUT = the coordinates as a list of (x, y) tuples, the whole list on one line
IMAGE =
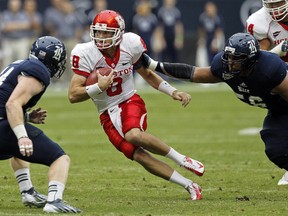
[(239, 178)]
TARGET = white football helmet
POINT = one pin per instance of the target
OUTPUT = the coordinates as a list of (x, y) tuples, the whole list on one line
[(278, 9), (107, 21)]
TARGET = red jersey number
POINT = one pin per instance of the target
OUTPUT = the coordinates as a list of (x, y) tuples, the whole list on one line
[(115, 88), (75, 61), (250, 29)]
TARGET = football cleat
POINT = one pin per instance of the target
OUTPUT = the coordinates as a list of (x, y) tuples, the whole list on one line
[(284, 179), (193, 166), (57, 206), (32, 198), (195, 191)]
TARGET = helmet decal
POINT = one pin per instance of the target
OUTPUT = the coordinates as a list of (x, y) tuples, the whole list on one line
[(42, 54), (252, 46), (120, 21), (58, 53), (229, 49)]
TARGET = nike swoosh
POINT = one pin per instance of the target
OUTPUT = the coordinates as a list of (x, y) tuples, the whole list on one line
[(111, 110), (125, 63)]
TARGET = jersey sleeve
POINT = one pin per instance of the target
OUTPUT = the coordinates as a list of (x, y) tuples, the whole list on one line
[(137, 46), (257, 24), (35, 68), (78, 60)]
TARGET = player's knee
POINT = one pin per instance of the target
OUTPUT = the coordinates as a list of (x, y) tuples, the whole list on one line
[(133, 136), (141, 156), (64, 159)]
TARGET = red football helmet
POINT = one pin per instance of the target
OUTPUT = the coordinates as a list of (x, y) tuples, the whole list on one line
[(107, 29), (278, 9)]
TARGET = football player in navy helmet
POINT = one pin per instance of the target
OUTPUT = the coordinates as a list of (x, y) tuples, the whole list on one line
[(258, 78), (51, 52), (22, 84)]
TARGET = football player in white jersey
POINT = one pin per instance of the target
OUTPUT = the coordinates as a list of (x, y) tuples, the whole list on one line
[(269, 26), (122, 112)]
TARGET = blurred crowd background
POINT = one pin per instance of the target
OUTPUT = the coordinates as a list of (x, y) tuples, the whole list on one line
[(189, 31)]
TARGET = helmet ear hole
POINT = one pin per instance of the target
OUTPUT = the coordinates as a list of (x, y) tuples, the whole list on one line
[(52, 53)]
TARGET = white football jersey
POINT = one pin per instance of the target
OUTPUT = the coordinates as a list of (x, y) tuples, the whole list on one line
[(86, 57), (261, 26)]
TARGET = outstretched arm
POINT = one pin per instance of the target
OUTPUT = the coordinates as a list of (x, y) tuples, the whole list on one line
[(181, 71)]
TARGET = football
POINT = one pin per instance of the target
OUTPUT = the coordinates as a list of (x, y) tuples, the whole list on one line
[(93, 78)]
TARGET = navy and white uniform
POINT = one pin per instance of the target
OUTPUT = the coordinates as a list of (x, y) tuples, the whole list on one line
[(45, 150), (256, 90)]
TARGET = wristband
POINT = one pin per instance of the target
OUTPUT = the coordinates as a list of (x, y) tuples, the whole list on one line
[(93, 90), (166, 88), (20, 131)]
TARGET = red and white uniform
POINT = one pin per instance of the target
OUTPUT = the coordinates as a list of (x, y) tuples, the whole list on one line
[(119, 107), (261, 26), (86, 57)]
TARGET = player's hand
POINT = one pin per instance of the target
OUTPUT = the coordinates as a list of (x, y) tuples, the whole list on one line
[(25, 146), (105, 81), (182, 96), (38, 116), (284, 47)]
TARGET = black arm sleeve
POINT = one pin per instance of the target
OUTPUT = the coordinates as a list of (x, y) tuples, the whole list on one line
[(176, 70)]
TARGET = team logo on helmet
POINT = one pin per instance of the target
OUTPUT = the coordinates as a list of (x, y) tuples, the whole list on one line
[(240, 54), (58, 53), (120, 22), (52, 53)]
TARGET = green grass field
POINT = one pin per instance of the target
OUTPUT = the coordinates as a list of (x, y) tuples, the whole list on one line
[(239, 178)]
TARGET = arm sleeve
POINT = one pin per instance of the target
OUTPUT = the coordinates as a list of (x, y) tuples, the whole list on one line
[(176, 70)]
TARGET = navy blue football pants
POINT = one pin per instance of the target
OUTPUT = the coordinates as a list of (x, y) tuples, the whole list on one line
[(45, 151), (275, 136)]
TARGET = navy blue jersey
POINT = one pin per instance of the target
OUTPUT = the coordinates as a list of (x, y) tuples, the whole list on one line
[(42, 154), (256, 89), (9, 79)]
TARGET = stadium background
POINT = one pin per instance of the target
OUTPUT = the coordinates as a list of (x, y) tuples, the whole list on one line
[(191, 9), (239, 180)]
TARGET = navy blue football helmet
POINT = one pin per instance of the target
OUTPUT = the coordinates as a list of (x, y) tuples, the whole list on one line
[(52, 53), (240, 54)]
